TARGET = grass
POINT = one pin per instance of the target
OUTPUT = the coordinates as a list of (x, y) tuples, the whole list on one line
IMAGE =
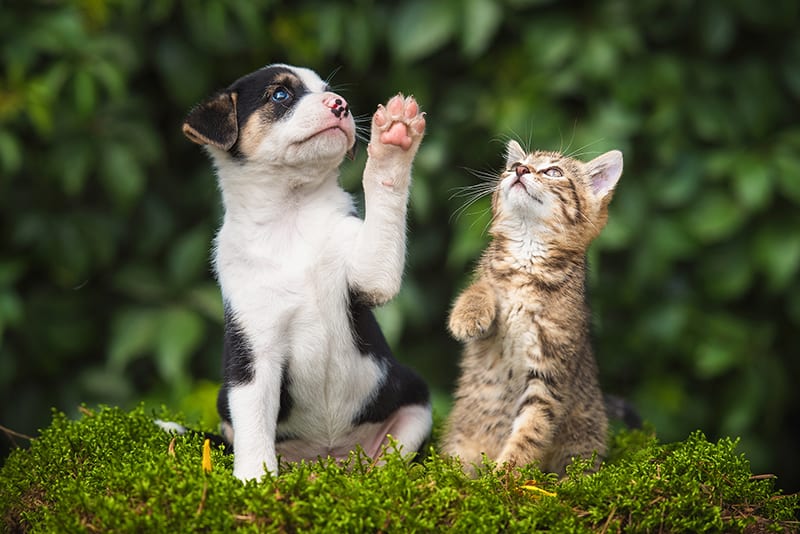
[(114, 470)]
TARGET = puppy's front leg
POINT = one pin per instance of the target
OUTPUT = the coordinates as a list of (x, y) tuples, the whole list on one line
[(377, 259), (254, 415)]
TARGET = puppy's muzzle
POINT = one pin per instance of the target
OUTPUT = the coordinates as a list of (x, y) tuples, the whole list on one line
[(337, 105)]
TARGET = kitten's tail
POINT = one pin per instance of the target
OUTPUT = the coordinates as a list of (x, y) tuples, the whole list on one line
[(622, 410)]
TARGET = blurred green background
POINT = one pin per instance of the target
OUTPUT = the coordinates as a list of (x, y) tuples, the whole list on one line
[(107, 212)]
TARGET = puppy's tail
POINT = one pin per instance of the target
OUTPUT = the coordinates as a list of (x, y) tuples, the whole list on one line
[(622, 410), (175, 428)]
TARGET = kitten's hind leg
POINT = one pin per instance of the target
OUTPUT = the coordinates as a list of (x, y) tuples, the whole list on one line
[(468, 451), (473, 313), (583, 433), (538, 414)]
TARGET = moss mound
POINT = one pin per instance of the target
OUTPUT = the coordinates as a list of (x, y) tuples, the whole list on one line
[(114, 470)]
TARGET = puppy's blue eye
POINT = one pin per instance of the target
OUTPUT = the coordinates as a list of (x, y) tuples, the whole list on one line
[(280, 95)]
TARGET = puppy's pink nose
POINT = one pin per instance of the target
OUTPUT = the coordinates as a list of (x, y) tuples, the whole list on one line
[(337, 105)]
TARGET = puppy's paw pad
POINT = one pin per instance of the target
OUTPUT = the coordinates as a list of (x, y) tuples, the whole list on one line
[(400, 122), (397, 134)]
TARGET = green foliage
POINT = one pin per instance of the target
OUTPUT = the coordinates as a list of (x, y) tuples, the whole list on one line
[(107, 213), (116, 471)]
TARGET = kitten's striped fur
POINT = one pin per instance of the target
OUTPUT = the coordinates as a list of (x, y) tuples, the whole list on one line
[(528, 389)]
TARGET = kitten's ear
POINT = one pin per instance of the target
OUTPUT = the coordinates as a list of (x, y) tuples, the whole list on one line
[(514, 153), (604, 171), (213, 122)]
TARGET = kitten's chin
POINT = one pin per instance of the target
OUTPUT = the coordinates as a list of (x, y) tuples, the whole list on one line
[(521, 202)]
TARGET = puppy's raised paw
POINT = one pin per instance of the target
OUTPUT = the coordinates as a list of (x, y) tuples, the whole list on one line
[(399, 123)]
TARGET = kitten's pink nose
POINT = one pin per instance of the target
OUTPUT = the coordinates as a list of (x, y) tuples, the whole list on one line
[(337, 105), (522, 169)]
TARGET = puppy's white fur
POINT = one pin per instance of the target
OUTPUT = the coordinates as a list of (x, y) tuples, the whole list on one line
[(287, 255)]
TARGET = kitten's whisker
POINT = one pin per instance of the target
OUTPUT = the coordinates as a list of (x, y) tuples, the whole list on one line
[(562, 149), (488, 175), (585, 218), (469, 190), (480, 214), (581, 151), (469, 203), (489, 224)]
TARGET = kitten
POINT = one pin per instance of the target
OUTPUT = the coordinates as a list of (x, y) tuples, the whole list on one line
[(528, 389)]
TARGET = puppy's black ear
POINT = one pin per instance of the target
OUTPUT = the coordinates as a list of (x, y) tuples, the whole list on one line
[(213, 122)]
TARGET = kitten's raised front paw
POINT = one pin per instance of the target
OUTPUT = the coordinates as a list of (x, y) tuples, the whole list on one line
[(398, 124), (471, 319)]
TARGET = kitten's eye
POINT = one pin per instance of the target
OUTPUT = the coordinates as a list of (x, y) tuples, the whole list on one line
[(280, 95), (553, 172)]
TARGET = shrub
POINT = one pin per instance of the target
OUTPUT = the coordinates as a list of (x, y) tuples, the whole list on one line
[(107, 213)]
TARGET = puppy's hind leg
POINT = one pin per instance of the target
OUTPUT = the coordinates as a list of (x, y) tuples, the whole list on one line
[(409, 426)]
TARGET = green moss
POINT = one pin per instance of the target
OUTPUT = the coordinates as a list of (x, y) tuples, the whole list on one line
[(116, 471)]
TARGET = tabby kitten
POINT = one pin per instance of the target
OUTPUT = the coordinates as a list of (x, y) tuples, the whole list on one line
[(528, 389)]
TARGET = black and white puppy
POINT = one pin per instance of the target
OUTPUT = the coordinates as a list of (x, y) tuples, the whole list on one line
[(307, 371)]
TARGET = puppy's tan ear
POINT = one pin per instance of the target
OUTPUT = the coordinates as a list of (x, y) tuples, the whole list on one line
[(213, 122)]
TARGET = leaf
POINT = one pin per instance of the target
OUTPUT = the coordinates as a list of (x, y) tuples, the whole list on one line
[(482, 18), (520, 4), (111, 77), (753, 182), (712, 360), (714, 217), (84, 91), (777, 249), (788, 166), (11, 309), (206, 299), (10, 154), (746, 405), (109, 384), (667, 321), (679, 184), (671, 240), (75, 160), (188, 259), (421, 200), (718, 27), (179, 334), (330, 27), (121, 175), (562, 41), (728, 273), (359, 44), (421, 27), (11, 270), (140, 281), (133, 332)]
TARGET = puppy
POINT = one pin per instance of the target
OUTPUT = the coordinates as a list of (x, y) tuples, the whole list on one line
[(307, 372)]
